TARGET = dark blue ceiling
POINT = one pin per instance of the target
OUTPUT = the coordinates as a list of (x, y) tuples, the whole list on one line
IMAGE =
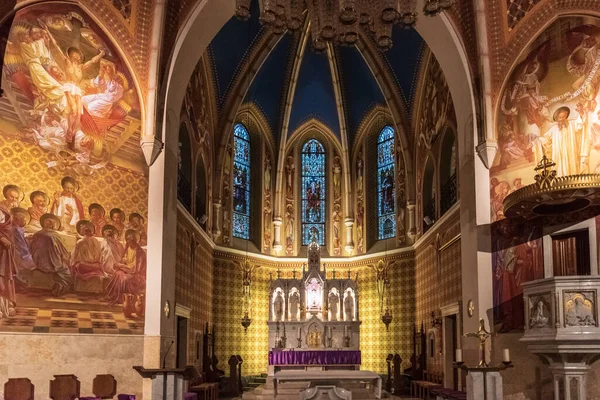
[(267, 89), (403, 60), (314, 96), (359, 88), (230, 47)]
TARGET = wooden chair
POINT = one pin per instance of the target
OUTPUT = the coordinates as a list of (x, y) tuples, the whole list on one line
[(18, 389), (104, 386), (65, 387)]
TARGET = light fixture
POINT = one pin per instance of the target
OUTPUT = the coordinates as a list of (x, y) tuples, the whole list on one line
[(383, 282), (340, 21), (247, 271)]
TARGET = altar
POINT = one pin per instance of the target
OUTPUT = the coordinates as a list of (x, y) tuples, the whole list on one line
[(314, 321)]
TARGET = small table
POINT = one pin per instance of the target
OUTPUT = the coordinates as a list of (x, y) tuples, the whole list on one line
[(328, 376)]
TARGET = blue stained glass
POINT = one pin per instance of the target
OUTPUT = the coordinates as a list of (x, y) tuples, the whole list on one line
[(386, 204), (313, 192), (241, 182)]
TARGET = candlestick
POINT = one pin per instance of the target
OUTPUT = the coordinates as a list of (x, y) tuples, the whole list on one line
[(459, 355), (505, 356)]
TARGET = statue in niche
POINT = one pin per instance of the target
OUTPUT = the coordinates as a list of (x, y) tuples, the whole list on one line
[(359, 173), (401, 199), (349, 306), (289, 229), (294, 305), (360, 215), (267, 175), (278, 306), (334, 301), (289, 178), (539, 315), (267, 225), (579, 313), (337, 217), (337, 178), (314, 336)]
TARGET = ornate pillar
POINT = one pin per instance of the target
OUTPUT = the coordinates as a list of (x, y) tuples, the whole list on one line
[(412, 228), (349, 242), (216, 228), (277, 221)]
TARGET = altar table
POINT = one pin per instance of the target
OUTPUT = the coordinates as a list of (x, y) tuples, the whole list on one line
[(314, 377), (315, 357)]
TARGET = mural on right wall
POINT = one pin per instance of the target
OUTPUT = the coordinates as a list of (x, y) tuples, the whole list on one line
[(550, 106)]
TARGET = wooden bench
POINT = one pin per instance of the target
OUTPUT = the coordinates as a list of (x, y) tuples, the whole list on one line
[(422, 389), (205, 390)]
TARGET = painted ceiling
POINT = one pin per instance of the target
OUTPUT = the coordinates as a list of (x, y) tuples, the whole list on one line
[(314, 96)]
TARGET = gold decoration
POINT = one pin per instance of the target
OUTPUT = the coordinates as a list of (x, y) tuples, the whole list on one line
[(482, 334), (545, 178), (553, 195)]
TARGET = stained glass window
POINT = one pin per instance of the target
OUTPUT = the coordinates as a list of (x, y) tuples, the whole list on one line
[(313, 193), (386, 208), (241, 182)]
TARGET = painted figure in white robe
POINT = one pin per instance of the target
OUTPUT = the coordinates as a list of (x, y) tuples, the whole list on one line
[(109, 92)]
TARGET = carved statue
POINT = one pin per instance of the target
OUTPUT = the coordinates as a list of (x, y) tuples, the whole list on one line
[(349, 306), (337, 178), (334, 301), (539, 316), (314, 337), (360, 215), (289, 177), (337, 217), (294, 305), (359, 173), (267, 175), (278, 306), (579, 314), (267, 225)]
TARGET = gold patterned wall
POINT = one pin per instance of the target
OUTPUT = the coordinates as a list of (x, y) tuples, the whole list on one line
[(26, 165), (375, 343), (194, 282), (438, 277), (227, 309)]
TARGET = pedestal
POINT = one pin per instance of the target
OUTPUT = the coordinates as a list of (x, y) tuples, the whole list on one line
[(168, 383), (484, 385)]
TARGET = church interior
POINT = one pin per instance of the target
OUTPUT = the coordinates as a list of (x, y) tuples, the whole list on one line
[(299, 199)]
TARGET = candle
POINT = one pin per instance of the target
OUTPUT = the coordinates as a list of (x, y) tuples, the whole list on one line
[(345, 330), (459, 356), (505, 355), (330, 332), (298, 333)]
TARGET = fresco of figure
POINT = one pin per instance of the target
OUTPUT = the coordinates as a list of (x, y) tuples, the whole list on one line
[(97, 219), (23, 260), (67, 205), (112, 249), (13, 195), (130, 271), (39, 206), (50, 254), (117, 219), (136, 222), (108, 92), (86, 260), (8, 269)]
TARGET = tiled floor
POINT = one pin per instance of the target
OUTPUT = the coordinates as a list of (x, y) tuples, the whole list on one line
[(65, 315)]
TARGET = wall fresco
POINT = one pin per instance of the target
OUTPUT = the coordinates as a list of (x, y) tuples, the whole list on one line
[(549, 108), (72, 218)]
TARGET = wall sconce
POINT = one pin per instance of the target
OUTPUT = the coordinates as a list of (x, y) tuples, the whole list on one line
[(247, 270)]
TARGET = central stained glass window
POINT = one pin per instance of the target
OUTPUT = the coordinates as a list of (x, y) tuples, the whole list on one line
[(313, 193), (241, 182), (386, 209)]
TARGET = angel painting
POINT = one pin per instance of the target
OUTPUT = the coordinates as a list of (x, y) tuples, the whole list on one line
[(73, 85), (524, 97)]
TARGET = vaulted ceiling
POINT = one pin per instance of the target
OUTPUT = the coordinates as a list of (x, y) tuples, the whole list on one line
[(314, 84)]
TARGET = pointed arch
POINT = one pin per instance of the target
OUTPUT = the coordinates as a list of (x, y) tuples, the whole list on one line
[(313, 192)]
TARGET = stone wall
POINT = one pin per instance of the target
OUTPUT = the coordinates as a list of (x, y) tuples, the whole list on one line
[(41, 356)]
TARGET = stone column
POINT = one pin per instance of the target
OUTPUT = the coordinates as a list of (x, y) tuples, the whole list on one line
[(412, 228), (349, 222), (277, 221)]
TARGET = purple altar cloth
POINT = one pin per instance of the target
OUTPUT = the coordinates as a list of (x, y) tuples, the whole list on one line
[(307, 357)]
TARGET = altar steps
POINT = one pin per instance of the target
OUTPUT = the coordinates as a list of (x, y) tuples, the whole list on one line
[(291, 391)]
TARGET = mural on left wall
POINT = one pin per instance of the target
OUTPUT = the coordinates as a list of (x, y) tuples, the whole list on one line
[(74, 180)]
